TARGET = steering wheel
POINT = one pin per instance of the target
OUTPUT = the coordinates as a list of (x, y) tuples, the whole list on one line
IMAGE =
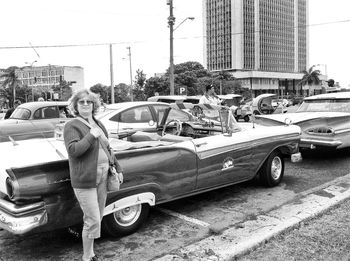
[(178, 129)]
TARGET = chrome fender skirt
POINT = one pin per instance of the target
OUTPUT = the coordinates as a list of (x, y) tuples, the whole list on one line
[(146, 197)]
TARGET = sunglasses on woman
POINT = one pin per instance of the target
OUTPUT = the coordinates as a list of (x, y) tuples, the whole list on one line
[(85, 102)]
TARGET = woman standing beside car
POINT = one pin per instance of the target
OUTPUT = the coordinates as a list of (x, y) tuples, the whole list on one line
[(84, 139)]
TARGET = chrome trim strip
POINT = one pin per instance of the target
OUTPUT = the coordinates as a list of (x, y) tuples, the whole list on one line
[(15, 210), (244, 146), (333, 143), (341, 131)]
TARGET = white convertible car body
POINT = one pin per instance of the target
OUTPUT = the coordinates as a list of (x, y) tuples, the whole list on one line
[(324, 120)]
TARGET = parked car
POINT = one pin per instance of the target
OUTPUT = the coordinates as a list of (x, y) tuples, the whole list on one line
[(283, 102), (33, 120), (125, 116), (167, 98), (2, 113), (295, 100), (186, 156), (240, 110), (263, 104), (324, 120)]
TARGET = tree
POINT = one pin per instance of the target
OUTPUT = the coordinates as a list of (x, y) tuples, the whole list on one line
[(11, 82), (155, 85), (188, 74), (330, 83), (122, 92), (310, 77), (138, 90), (222, 76), (64, 89), (101, 90)]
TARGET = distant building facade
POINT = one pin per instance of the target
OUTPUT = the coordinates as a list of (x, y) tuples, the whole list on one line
[(51, 75), (263, 43), (44, 78)]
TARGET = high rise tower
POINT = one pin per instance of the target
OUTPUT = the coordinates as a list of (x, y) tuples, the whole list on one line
[(264, 43)]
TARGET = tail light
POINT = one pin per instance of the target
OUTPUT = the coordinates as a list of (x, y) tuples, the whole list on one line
[(321, 131), (10, 188)]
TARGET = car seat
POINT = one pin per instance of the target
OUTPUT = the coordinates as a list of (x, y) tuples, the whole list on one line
[(145, 116)]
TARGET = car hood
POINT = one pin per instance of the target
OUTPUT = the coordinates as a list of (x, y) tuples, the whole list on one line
[(27, 153), (298, 117)]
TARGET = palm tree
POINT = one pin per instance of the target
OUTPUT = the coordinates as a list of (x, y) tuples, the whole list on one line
[(223, 76), (11, 80), (310, 77)]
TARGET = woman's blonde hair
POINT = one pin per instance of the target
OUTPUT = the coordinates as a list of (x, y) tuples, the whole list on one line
[(73, 101)]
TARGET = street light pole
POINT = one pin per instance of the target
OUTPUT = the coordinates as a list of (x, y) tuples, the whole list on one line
[(111, 69), (131, 89), (184, 20), (171, 21)]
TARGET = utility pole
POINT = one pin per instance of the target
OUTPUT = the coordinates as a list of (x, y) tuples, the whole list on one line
[(171, 22), (34, 78), (111, 69), (131, 89)]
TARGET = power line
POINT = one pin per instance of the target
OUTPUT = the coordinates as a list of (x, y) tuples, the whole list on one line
[(178, 38)]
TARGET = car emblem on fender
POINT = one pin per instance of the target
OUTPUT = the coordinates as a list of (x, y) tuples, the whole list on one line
[(227, 164)]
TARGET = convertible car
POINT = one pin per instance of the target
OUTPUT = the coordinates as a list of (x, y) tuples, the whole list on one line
[(34, 120), (267, 104), (324, 120), (187, 155)]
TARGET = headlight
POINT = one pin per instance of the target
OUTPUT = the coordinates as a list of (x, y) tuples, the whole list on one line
[(320, 131)]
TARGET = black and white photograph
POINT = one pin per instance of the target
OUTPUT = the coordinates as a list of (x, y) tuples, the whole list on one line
[(175, 130)]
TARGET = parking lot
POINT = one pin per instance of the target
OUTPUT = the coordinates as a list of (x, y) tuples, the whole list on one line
[(174, 225)]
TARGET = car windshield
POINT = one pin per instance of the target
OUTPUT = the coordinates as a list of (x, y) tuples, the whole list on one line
[(202, 114), (326, 105), (105, 110), (20, 114)]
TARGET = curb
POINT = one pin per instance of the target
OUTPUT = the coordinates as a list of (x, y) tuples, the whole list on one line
[(238, 240)]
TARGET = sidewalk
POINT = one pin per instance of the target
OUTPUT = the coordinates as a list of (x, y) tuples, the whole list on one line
[(239, 241)]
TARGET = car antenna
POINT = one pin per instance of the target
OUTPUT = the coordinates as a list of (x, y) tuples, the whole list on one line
[(14, 143)]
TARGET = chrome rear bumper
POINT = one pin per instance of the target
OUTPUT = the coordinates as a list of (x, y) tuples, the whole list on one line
[(21, 219), (311, 143)]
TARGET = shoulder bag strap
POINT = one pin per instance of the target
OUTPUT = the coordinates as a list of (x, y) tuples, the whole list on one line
[(104, 147)]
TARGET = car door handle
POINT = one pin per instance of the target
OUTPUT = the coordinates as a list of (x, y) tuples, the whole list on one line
[(201, 144)]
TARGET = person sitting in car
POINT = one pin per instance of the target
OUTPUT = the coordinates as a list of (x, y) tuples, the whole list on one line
[(10, 111), (209, 97)]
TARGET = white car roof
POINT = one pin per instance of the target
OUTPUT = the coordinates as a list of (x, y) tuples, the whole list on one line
[(124, 105), (169, 97), (229, 96), (334, 95)]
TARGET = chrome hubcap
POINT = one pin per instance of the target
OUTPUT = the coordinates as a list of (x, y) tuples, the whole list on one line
[(127, 216), (276, 168)]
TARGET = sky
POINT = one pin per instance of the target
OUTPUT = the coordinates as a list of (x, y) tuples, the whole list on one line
[(142, 26)]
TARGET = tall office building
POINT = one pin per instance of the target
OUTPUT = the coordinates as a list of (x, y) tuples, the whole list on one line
[(264, 43)]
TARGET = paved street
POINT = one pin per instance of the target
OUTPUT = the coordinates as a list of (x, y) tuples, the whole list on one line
[(186, 221)]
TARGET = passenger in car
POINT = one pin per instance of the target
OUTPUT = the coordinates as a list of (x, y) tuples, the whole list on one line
[(209, 97), (9, 111), (63, 113)]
